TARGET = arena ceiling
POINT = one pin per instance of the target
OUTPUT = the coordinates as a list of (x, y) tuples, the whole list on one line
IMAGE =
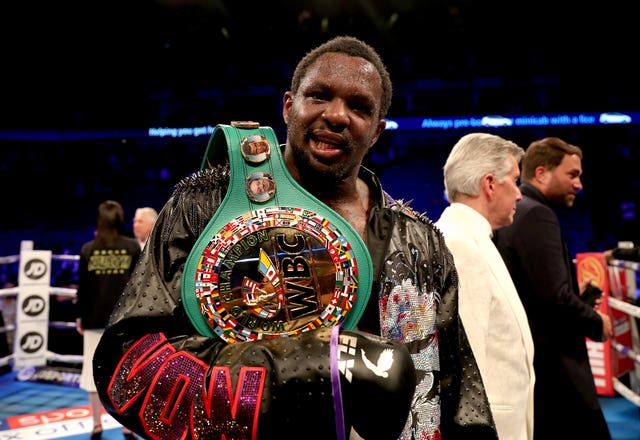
[(109, 66), (120, 64)]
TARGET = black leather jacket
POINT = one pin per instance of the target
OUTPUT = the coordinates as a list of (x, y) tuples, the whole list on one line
[(414, 277)]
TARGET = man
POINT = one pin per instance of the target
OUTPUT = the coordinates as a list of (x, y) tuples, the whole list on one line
[(340, 94), (260, 186), (566, 402), (143, 221), (255, 148), (481, 181)]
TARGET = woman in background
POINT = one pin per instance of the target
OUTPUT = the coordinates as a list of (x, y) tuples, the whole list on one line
[(106, 263)]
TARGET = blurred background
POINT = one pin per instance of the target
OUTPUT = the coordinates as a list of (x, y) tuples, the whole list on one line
[(86, 88)]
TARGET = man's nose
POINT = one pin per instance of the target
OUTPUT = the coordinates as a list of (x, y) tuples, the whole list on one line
[(336, 112)]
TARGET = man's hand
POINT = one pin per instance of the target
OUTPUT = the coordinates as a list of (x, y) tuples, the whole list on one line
[(582, 286), (608, 255), (607, 327), (79, 327)]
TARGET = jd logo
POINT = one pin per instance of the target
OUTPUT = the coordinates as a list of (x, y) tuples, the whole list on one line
[(31, 342), (33, 305), (35, 269)]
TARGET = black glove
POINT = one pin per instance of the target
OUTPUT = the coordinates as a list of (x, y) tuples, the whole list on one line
[(591, 294)]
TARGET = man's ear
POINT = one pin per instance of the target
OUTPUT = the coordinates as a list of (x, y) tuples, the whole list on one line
[(382, 124), (541, 174), (287, 101), (488, 184)]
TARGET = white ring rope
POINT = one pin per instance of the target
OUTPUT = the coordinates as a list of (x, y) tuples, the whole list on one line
[(633, 265), (624, 306), (628, 352), (634, 312), (59, 291), (66, 358), (9, 259)]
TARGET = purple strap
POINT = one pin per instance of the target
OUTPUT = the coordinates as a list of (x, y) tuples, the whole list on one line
[(335, 383)]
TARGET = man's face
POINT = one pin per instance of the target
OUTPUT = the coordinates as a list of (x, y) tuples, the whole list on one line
[(260, 185), (563, 182), (142, 226), (257, 147), (507, 194), (333, 118)]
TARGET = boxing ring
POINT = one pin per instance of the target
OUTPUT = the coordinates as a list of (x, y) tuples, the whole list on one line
[(615, 363), (26, 308), (622, 300)]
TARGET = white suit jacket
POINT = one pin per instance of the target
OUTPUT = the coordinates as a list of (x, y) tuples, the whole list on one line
[(494, 319)]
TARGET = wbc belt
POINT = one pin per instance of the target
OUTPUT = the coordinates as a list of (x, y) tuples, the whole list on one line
[(273, 260)]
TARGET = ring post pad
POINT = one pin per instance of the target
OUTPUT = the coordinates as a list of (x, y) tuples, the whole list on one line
[(273, 261)]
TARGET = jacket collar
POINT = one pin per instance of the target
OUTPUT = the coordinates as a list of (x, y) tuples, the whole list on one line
[(381, 198), (531, 191)]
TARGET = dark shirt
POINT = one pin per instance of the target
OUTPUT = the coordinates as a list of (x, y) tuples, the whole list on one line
[(102, 275)]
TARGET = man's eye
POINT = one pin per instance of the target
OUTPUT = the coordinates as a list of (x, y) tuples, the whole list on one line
[(363, 108), (318, 96)]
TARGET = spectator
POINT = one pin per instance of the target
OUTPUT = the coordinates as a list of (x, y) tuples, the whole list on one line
[(566, 403), (106, 263), (481, 181), (143, 222)]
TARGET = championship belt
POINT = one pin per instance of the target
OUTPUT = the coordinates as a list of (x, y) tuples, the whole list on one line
[(274, 260)]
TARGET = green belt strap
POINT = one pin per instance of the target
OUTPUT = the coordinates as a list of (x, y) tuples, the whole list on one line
[(275, 263)]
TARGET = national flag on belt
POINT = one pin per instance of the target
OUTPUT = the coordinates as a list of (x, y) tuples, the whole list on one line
[(266, 268), (249, 289), (249, 285)]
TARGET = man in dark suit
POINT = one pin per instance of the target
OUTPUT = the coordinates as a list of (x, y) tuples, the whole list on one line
[(566, 403)]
